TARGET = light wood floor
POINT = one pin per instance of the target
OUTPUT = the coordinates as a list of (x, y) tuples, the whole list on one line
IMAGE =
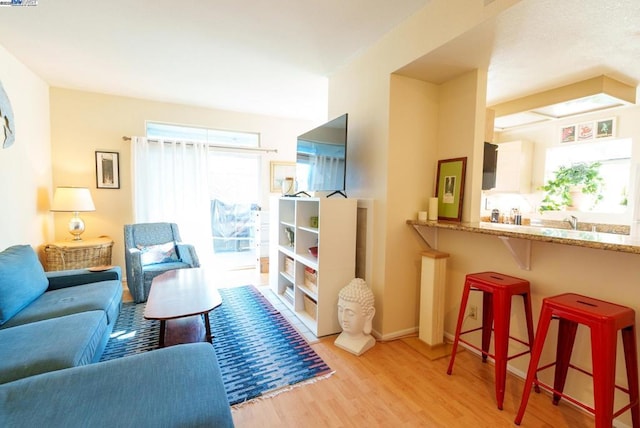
[(393, 385)]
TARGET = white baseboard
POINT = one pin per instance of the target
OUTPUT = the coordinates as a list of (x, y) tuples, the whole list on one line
[(395, 335)]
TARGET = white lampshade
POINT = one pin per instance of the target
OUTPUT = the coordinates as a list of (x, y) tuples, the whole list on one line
[(75, 200), (72, 199)]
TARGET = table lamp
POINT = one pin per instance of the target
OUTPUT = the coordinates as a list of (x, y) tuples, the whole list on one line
[(75, 200)]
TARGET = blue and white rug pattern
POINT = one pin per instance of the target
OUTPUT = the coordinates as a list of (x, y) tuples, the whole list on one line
[(258, 351)]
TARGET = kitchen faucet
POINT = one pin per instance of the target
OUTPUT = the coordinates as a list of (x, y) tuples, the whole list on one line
[(573, 221)]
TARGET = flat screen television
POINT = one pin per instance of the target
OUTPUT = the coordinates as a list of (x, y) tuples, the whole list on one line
[(321, 161)]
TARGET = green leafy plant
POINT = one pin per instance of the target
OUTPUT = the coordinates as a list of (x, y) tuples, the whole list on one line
[(583, 175)]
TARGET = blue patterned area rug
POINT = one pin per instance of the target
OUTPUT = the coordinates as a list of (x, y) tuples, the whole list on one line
[(259, 353)]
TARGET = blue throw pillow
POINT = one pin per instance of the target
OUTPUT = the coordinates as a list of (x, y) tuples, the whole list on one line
[(22, 280)]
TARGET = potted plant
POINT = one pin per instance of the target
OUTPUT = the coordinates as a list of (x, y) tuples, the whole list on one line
[(570, 186)]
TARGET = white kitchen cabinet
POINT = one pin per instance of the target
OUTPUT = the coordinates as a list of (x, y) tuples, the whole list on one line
[(514, 167)]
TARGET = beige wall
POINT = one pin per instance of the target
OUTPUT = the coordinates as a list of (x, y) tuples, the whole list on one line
[(83, 122), (365, 89), (413, 120), (25, 167), (461, 131)]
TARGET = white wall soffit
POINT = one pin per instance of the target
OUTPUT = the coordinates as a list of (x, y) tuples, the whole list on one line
[(587, 96)]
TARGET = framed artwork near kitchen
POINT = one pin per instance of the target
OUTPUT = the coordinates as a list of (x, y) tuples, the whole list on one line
[(568, 134), (450, 188), (280, 171), (587, 131), (606, 128)]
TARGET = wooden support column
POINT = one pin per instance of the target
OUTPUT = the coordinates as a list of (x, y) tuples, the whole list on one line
[(432, 281)]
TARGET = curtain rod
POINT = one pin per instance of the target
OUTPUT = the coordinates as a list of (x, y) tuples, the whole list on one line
[(215, 146)]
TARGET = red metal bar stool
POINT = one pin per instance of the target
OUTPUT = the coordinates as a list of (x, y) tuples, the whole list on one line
[(497, 290), (604, 320)]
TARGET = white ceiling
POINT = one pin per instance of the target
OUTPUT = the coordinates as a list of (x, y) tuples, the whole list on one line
[(541, 44), (269, 57), (273, 57)]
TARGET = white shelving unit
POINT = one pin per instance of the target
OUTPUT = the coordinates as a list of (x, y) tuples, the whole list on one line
[(334, 266)]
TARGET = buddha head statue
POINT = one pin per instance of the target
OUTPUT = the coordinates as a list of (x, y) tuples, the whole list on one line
[(355, 308)]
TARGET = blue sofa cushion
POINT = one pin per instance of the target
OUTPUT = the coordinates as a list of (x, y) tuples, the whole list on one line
[(22, 280), (178, 386), (105, 296), (50, 345)]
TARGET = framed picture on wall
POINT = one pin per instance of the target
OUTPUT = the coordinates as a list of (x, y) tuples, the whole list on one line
[(107, 170), (450, 188), (280, 170), (568, 134), (606, 128), (585, 131)]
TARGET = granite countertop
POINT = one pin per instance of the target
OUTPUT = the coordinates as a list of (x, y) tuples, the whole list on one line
[(578, 238)]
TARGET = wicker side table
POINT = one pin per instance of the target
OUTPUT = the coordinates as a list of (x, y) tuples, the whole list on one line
[(63, 255)]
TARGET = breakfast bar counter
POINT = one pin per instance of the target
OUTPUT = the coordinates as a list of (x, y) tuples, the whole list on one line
[(507, 232)]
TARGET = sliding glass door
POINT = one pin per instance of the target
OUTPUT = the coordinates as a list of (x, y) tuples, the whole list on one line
[(233, 186), (229, 196)]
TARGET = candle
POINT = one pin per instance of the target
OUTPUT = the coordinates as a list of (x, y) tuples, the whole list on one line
[(433, 208), (422, 216)]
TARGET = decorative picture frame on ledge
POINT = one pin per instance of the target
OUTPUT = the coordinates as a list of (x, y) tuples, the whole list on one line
[(107, 170), (280, 170), (450, 188)]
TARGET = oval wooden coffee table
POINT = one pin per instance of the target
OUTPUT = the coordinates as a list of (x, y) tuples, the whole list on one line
[(182, 293)]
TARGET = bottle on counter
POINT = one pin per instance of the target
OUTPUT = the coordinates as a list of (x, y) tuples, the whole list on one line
[(495, 215), (516, 217)]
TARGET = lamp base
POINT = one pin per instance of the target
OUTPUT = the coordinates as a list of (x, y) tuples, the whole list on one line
[(76, 227)]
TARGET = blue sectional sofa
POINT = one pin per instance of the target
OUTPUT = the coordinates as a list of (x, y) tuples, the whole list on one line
[(52, 321), (178, 386), (54, 327)]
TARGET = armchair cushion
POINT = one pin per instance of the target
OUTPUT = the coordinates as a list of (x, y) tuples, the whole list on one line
[(160, 253), (22, 281)]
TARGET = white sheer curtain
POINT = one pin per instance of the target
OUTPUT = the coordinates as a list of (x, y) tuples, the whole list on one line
[(170, 183)]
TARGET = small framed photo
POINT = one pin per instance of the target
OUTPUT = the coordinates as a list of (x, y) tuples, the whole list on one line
[(450, 188), (279, 171), (606, 128), (107, 170), (568, 134), (585, 131)]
